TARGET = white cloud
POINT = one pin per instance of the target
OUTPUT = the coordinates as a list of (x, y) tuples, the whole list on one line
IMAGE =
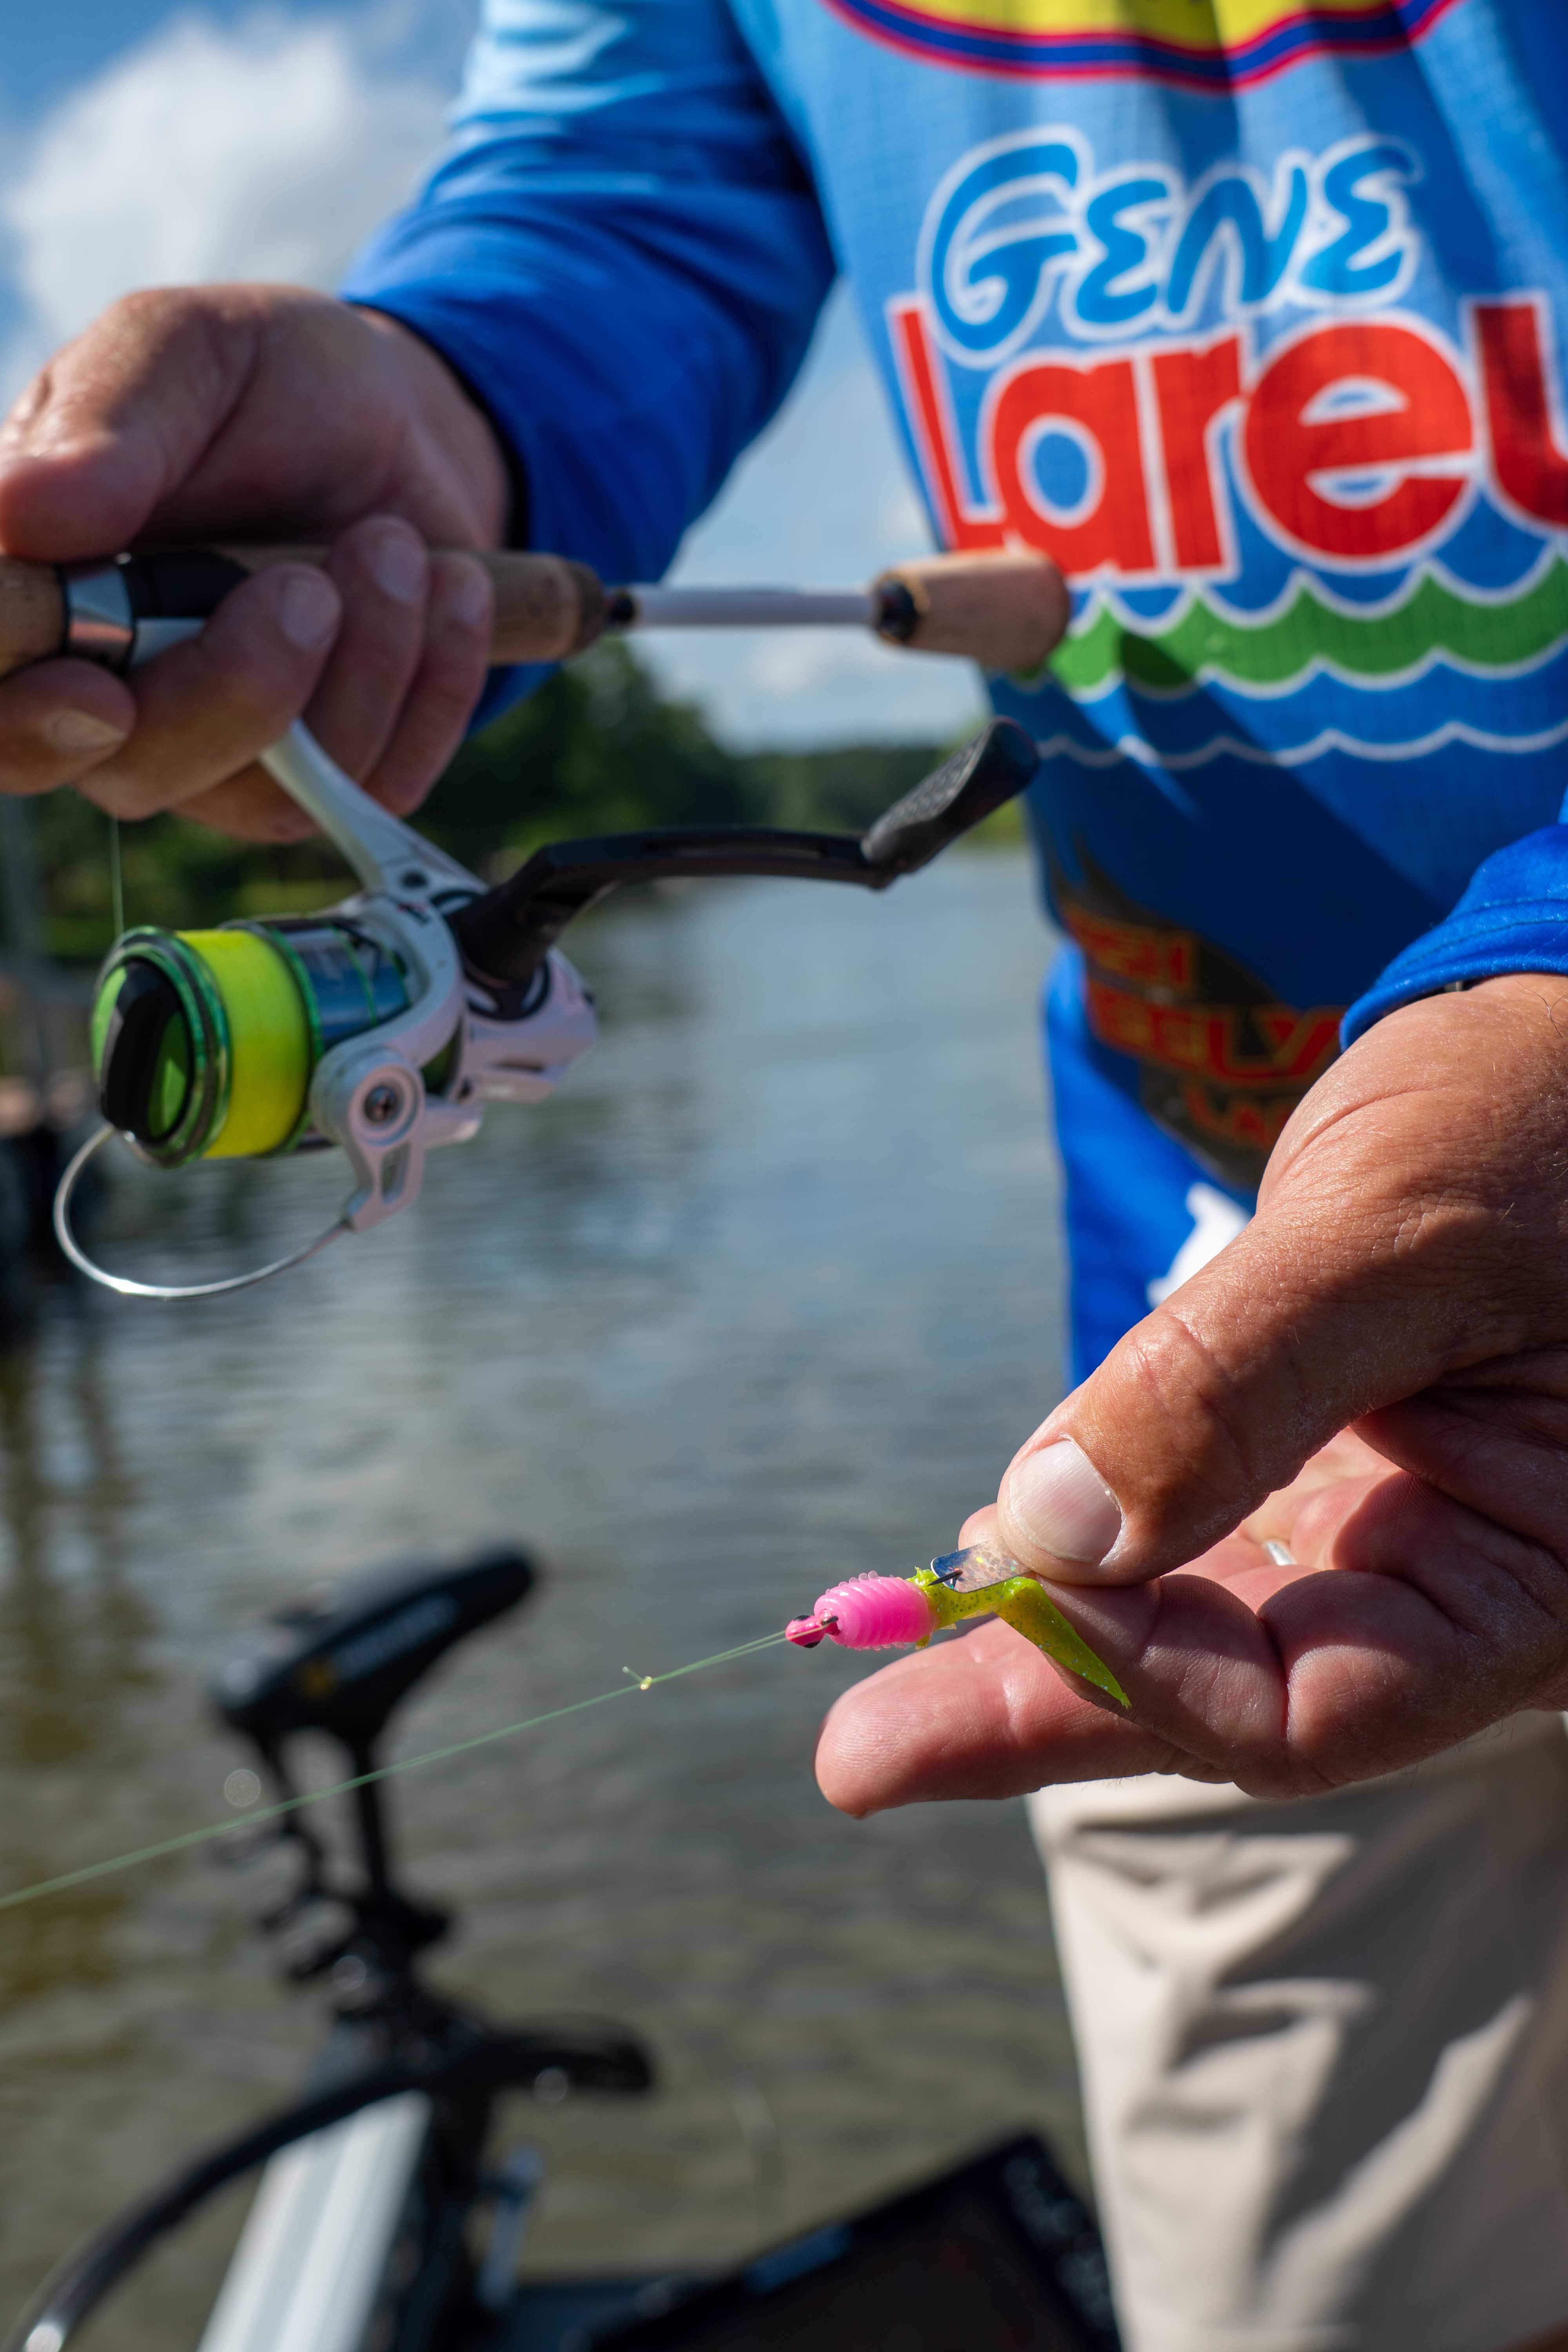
[(264, 148), (814, 687), (257, 146)]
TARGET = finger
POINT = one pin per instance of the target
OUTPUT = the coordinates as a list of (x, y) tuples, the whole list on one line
[(1498, 1444), (1433, 1624), (986, 1717), (382, 573), (118, 418), (446, 688), (1214, 1402), (59, 721), (251, 806), (1404, 1623), (1425, 1625), (440, 703), (208, 708)]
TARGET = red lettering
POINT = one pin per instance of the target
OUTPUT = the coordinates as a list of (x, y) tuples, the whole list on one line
[(1195, 389), (1289, 453), (1097, 407), (1357, 440), (1531, 468), (1203, 1039), (931, 424), (1166, 959)]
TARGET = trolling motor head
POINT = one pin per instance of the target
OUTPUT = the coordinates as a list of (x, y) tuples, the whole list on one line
[(385, 1025), (337, 1663)]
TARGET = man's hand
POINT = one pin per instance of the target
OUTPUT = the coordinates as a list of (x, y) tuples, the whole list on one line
[(1373, 1374), (270, 413)]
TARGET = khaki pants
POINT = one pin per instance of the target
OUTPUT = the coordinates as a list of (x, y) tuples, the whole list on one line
[(1325, 2051)]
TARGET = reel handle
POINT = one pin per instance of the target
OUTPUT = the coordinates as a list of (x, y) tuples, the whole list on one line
[(1007, 609), (979, 778), (505, 933)]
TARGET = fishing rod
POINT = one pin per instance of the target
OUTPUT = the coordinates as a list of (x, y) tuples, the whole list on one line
[(385, 1025), (1006, 609)]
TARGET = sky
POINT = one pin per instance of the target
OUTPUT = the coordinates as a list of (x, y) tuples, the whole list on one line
[(164, 142)]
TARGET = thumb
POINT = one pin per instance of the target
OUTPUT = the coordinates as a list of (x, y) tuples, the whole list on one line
[(1407, 1229), (1213, 1402)]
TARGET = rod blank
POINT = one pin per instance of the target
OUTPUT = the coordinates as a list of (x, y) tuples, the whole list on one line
[(744, 608)]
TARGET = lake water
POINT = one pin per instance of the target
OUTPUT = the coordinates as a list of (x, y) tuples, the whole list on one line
[(767, 1293)]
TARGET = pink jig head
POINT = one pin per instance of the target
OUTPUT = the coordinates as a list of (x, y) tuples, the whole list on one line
[(867, 1612), (880, 1612)]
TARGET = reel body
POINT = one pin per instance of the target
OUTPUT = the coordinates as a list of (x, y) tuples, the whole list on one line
[(206, 1044), (359, 1027)]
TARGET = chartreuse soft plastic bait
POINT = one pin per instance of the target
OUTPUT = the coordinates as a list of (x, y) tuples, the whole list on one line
[(885, 1613)]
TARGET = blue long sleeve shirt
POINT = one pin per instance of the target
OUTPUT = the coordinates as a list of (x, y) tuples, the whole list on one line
[(1253, 316)]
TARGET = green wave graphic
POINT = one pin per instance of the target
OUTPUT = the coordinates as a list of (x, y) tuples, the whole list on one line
[(1272, 653)]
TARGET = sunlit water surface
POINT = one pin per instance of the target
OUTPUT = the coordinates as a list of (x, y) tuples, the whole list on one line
[(767, 1293)]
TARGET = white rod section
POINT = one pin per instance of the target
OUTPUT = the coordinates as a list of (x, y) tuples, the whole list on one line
[(751, 608)]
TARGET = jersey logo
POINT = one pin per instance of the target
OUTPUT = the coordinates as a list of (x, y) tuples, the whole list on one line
[(1221, 1063), (1219, 394), (1201, 44)]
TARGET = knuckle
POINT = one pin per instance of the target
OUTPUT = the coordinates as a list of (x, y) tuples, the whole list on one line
[(26, 408), (1431, 1230), (1182, 1388), (199, 337)]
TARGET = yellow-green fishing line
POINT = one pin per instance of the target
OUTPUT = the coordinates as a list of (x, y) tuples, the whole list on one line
[(210, 1830)]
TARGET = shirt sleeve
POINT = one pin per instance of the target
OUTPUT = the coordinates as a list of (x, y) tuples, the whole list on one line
[(1513, 918), (622, 254)]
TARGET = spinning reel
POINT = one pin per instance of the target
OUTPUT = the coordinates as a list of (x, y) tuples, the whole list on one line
[(387, 1024)]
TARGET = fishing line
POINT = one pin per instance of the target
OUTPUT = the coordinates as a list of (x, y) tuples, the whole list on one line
[(213, 1829), (116, 878)]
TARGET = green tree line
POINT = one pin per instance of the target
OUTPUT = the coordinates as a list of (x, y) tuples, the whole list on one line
[(597, 750)]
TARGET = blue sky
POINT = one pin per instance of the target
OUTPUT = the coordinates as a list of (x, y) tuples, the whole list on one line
[(144, 141)]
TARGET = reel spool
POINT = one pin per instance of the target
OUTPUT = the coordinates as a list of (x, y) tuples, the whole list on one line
[(205, 1042)]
